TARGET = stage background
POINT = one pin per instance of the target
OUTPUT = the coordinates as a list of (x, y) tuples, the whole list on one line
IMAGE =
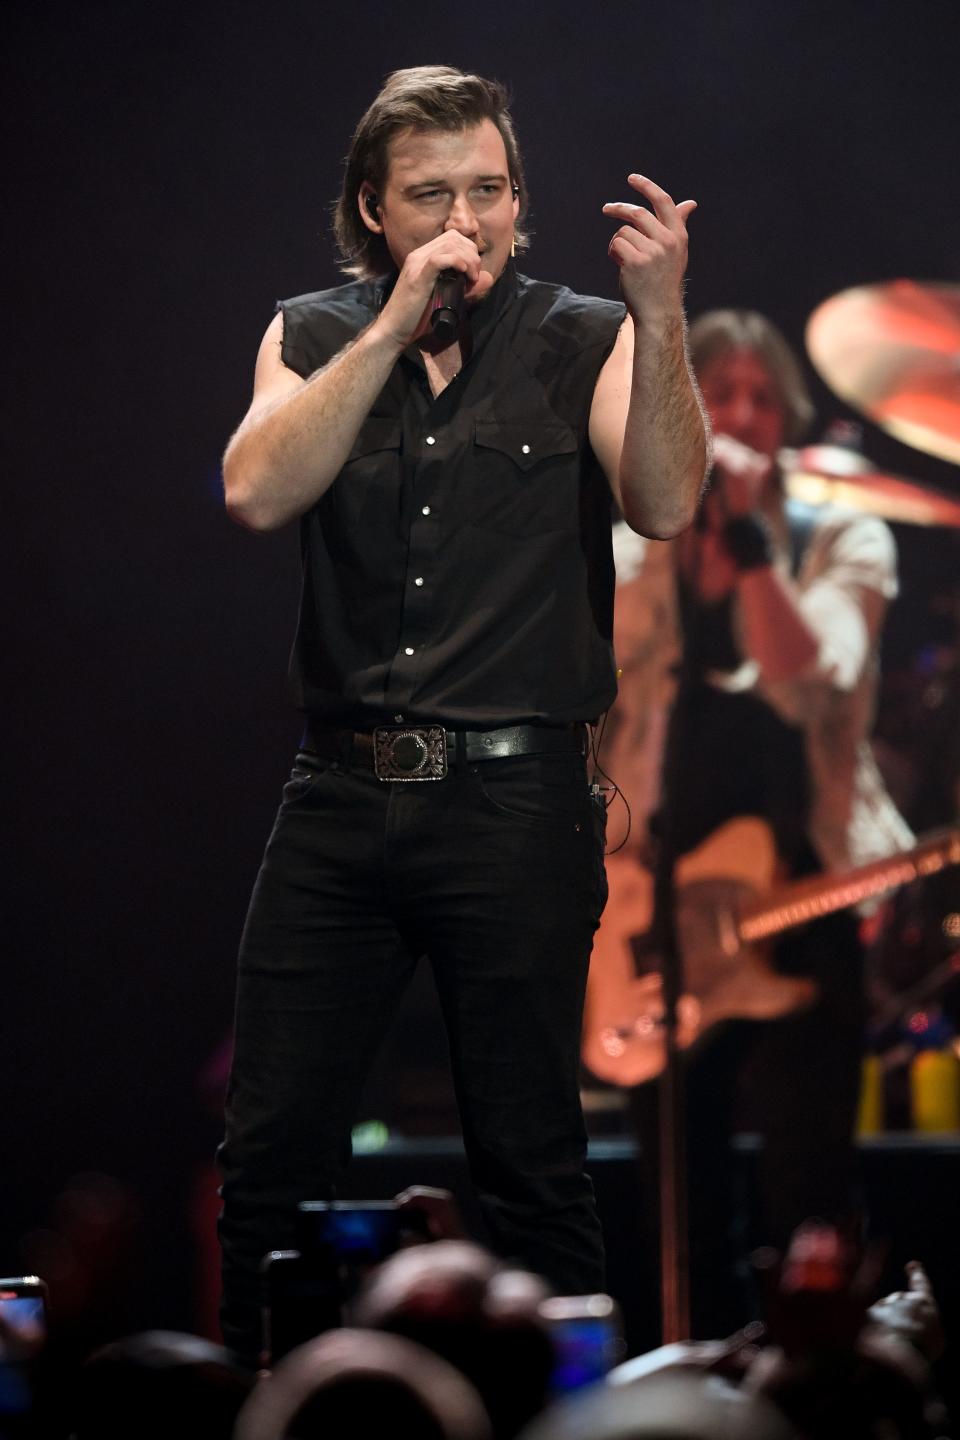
[(168, 175)]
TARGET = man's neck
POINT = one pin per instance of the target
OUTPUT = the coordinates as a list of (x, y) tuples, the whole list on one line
[(442, 366)]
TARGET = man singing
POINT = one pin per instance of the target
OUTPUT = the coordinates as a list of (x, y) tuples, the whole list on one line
[(454, 643)]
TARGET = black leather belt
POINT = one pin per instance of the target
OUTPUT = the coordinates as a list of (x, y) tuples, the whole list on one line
[(428, 752)]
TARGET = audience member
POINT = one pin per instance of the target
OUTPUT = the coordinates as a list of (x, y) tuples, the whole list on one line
[(675, 1405), (833, 1367), (353, 1382), (477, 1313), (839, 1370), (157, 1386)]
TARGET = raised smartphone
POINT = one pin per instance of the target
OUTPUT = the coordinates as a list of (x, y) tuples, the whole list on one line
[(587, 1336), (23, 1328)]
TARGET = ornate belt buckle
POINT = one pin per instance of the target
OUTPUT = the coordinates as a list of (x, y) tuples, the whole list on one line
[(407, 752)]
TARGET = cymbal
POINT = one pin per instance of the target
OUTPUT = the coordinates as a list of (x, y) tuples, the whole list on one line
[(834, 475), (892, 351)]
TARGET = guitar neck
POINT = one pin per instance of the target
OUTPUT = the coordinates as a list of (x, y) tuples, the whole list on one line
[(801, 900)]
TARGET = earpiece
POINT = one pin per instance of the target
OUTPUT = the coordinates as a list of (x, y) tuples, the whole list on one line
[(373, 206)]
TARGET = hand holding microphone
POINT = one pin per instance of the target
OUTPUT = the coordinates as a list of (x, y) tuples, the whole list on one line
[(429, 298), (740, 474)]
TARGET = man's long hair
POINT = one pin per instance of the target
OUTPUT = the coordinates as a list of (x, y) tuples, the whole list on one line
[(716, 332), (426, 97)]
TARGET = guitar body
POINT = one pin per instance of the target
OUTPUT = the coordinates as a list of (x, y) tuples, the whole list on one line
[(723, 978)]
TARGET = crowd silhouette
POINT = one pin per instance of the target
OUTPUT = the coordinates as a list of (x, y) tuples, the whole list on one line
[(443, 1341)]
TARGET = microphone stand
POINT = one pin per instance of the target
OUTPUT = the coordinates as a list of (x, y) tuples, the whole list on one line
[(671, 1129)]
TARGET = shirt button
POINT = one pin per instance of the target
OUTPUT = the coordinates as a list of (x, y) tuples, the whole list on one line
[(419, 580), (398, 719), (431, 440), (408, 650), (525, 449), (425, 510)]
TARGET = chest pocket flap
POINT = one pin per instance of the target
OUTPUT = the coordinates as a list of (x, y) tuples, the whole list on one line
[(526, 443)]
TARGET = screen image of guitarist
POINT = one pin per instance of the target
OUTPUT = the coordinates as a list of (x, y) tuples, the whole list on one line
[(758, 756)]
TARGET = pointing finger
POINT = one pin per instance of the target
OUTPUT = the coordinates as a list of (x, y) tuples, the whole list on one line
[(654, 192), (666, 211)]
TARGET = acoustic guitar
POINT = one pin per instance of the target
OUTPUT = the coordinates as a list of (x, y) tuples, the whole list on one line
[(730, 906)]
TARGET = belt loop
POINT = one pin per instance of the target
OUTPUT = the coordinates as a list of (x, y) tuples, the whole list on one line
[(461, 739), (346, 748)]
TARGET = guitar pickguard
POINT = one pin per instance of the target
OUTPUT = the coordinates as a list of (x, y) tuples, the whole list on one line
[(722, 979)]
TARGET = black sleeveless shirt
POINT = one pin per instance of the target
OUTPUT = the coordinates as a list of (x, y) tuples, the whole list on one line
[(459, 569)]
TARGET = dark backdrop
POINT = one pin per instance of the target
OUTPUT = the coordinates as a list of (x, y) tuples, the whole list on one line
[(168, 175)]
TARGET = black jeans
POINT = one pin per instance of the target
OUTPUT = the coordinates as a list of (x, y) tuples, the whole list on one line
[(496, 874)]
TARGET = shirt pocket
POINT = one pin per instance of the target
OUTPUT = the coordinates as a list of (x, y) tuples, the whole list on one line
[(370, 478), (526, 476)]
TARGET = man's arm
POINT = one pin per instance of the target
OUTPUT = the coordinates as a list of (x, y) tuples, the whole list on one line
[(648, 426), (297, 434), (845, 602), (824, 633), (815, 643)]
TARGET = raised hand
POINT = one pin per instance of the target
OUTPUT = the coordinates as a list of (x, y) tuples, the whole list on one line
[(912, 1314), (651, 250)]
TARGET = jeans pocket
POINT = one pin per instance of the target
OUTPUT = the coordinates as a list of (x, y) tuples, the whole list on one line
[(307, 770), (536, 789)]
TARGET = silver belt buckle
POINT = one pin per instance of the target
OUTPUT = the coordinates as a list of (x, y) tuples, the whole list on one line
[(410, 752)]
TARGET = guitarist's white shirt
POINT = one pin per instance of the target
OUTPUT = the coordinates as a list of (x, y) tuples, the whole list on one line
[(847, 576)]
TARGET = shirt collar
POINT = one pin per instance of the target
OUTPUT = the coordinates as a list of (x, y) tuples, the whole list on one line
[(483, 317)]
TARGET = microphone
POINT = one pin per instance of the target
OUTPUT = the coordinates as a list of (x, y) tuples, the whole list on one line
[(446, 305)]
